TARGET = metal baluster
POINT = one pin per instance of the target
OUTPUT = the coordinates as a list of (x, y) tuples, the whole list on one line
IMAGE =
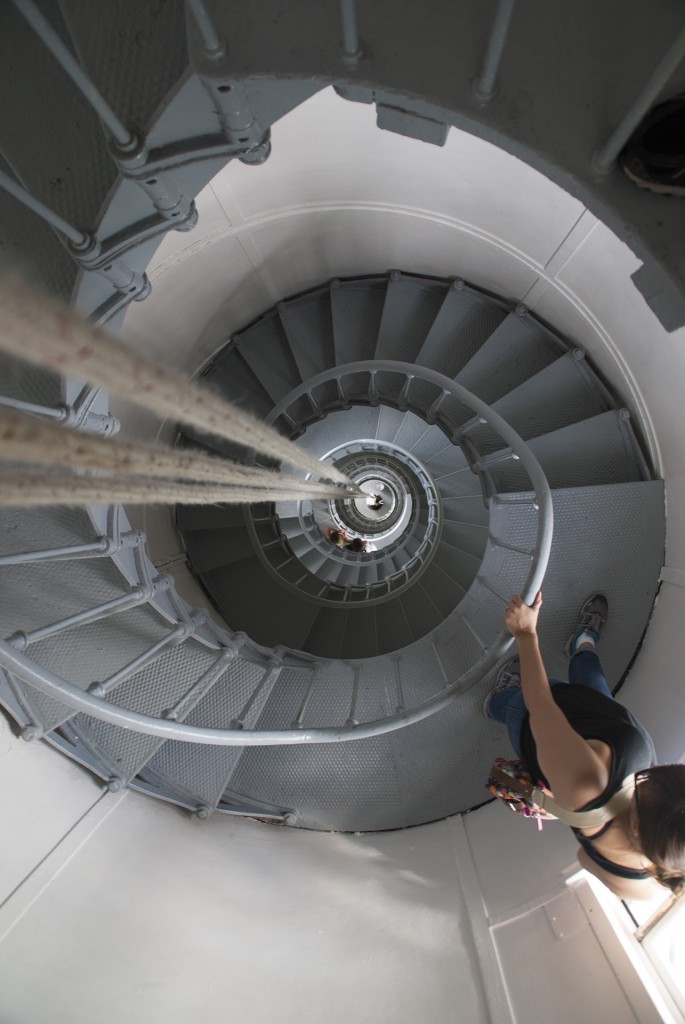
[(81, 416), (372, 390), (506, 455), (137, 595), (603, 159), (432, 413), (484, 87), (100, 548), (128, 150), (352, 718), (70, 65), (351, 50), (79, 238), (297, 721), (175, 637), (241, 128), (400, 706), (271, 673), (212, 42), (200, 687), (403, 397), (443, 673), (82, 247)]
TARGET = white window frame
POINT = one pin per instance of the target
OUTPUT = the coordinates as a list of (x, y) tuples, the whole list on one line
[(644, 976)]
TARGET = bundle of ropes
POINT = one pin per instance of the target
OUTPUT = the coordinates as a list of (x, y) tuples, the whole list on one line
[(72, 467)]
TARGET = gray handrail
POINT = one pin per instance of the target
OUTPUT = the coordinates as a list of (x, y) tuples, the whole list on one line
[(58, 688)]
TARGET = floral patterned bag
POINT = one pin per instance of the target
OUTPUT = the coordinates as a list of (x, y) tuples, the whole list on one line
[(511, 782)]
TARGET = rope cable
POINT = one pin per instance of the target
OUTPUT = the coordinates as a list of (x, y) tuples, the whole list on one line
[(38, 329)]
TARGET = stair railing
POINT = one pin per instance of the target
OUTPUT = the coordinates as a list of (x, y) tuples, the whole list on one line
[(14, 661), (314, 513)]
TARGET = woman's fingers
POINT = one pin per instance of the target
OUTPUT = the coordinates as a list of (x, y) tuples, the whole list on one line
[(520, 617)]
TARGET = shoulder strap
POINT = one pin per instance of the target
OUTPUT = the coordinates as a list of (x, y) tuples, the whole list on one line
[(579, 819)]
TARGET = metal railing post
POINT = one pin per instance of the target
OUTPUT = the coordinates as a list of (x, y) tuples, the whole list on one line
[(127, 148), (604, 159), (137, 595), (351, 50), (175, 637), (79, 238), (212, 43), (485, 86), (73, 69)]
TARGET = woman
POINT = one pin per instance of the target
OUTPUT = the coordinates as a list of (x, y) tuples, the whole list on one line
[(582, 743)]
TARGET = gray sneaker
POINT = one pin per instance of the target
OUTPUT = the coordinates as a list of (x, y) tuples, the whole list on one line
[(592, 618), (508, 677)]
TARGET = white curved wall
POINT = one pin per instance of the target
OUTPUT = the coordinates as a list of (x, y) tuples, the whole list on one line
[(158, 916), (339, 197)]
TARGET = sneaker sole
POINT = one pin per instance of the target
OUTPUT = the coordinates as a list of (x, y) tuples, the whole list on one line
[(652, 186)]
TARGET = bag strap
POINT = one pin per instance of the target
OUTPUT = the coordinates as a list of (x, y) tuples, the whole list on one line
[(578, 819)]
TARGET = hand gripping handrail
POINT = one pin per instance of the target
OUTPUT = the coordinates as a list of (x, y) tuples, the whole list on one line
[(54, 686)]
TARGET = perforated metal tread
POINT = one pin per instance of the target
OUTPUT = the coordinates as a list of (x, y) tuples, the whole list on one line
[(409, 312), (357, 311), (266, 350), (517, 350), (599, 450), (464, 323), (392, 782), (565, 392)]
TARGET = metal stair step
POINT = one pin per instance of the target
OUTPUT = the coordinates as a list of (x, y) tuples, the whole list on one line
[(448, 461), (202, 772), (471, 539), (444, 589), (419, 611), (357, 309), (564, 392), (413, 429), (210, 549), (91, 652), (326, 637), (607, 538), (211, 445), (153, 690), (461, 565), (599, 450), (313, 559), (209, 517), (275, 615), (231, 376), (390, 422), (465, 322), (339, 426), (265, 348), (517, 350), (410, 308), (464, 509), (308, 325), (361, 633)]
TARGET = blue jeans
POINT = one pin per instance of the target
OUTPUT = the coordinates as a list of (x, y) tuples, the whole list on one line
[(508, 706)]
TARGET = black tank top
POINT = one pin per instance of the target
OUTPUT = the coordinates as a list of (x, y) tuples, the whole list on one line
[(597, 717)]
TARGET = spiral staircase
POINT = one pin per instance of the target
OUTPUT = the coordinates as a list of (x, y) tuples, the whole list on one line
[(386, 377)]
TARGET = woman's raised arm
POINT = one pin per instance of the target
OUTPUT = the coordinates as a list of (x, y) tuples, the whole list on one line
[(576, 773)]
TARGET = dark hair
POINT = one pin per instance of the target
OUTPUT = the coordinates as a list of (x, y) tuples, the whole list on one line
[(356, 544), (660, 804)]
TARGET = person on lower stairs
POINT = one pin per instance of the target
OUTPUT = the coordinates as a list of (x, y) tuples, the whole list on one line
[(582, 744)]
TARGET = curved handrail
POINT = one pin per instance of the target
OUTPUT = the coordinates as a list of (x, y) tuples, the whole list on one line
[(56, 687)]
